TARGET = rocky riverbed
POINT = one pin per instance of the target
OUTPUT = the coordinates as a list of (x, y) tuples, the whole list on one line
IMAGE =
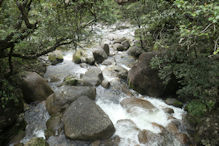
[(89, 102)]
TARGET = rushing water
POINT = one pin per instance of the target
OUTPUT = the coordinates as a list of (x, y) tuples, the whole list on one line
[(127, 124)]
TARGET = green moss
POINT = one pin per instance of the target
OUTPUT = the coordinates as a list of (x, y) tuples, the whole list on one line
[(71, 80), (78, 55), (36, 142)]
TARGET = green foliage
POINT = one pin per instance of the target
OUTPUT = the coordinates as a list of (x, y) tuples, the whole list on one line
[(186, 32), (7, 93)]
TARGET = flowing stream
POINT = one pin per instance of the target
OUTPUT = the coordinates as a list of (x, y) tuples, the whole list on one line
[(127, 124)]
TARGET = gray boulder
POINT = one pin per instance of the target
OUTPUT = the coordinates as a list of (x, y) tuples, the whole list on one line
[(66, 95), (84, 120), (99, 55), (93, 76), (135, 51), (34, 87), (106, 48), (145, 80), (126, 44), (56, 57), (120, 47)]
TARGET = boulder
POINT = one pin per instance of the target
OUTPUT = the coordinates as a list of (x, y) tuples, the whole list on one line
[(173, 102), (135, 51), (126, 44), (130, 103), (146, 136), (66, 95), (172, 128), (121, 72), (84, 120), (34, 87), (99, 55), (54, 124), (120, 40), (105, 84), (36, 142), (120, 47), (105, 47), (70, 80), (93, 76), (168, 110), (145, 80), (183, 138), (82, 56), (56, 57), (78, 55)]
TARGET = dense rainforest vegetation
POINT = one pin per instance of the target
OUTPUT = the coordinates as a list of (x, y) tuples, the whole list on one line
[(184, 31)]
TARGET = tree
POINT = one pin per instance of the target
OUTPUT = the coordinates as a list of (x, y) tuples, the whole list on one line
[(32, 28)]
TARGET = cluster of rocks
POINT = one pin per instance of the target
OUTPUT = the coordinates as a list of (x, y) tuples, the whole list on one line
[(72, 108)]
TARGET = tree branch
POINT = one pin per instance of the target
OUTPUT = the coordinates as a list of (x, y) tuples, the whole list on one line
[(53, 48)]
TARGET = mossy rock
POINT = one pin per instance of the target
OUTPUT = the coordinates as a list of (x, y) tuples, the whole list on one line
[(56, 57), (36, 141), (174, 102), (70, 80), (78, 56)]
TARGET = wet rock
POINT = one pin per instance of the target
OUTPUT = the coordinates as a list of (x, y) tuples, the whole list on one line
[(120, 47), (135, 51), (126, 44), (56, 57), (121, 72), (82, 56), (130, 103), (36, 142), (60, 100), (95, 143), (105, 84), (145, 80), (54, 124), (99, 55), (84, 120), (70, 80), (93, 76), (158, 126), (172, 128), (120, 40), (105, 47), (146, 136), (34, 87), (183, 138), (168, 110), (77, 56), (129, 124), (174, 102), (107, 62), (114, 141)]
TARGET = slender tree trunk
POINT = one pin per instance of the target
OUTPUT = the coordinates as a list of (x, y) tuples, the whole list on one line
[(10, 62)]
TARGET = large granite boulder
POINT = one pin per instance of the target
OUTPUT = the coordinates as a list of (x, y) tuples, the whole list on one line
[(93, 76), (34, 87), (60, 100), (56, 57), (99, 55), (83, 56), (145, 80), (84, 120)]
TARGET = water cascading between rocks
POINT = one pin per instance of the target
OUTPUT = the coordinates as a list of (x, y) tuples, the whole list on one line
[(138, 120)]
